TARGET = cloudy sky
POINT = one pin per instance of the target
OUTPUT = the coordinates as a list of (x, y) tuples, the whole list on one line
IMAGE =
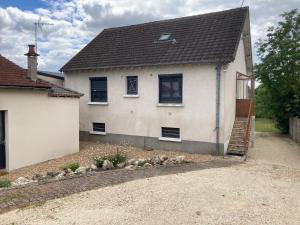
[(76, 22)]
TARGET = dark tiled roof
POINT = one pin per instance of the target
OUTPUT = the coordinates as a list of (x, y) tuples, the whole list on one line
[(55, 75), (57, 91), (206, 38), (13, 76)]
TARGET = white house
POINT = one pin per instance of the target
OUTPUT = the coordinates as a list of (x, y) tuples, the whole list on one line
[(38, 120), (169, 84)]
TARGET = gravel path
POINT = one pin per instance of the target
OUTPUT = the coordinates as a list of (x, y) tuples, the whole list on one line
[(88, 150), (255, 193), (276, 149)]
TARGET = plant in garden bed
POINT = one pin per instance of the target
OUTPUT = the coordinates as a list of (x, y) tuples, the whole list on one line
[(5, 183), (72, 166), (114, 159)]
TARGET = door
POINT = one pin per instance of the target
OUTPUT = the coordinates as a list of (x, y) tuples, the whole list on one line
[(2, 141)]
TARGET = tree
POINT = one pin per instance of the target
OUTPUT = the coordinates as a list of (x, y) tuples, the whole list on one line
[(263, 103), (279, 70)]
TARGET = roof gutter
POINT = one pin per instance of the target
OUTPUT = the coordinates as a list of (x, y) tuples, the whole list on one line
[(228, 60), (218, 97), (24, 87)]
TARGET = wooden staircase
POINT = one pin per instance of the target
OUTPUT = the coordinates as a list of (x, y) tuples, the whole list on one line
[(237, 144)]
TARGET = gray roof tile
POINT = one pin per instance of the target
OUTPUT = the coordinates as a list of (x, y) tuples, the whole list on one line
[(206, 38)]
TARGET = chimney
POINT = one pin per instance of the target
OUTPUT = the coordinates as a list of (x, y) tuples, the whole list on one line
[(32, 63)]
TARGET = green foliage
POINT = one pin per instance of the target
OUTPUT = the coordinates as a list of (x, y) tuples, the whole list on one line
[(279, 70), (263, 103), (114, 159), (265, 125), (5, 183), (99, 161), (73, 166), (117, 158)]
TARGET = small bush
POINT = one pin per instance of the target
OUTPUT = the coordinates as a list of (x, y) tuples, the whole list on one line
[(99, 161), (5, 183), (73, 166), (117, 158), (114, 159)]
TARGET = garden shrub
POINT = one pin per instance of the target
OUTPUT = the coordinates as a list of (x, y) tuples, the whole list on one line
[(114, 159), (99, 161), (5, 183), (72, 166)]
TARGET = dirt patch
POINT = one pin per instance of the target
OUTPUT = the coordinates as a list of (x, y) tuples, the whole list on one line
[(88, 150)]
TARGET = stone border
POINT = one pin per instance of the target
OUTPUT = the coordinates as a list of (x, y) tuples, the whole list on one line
[(33, 194)]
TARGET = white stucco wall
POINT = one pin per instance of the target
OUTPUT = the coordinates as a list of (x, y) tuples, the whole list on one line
[(38, 127), (229, 91), (142, 116)]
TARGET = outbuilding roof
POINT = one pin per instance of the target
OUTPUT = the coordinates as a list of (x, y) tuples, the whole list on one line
[(14, 76), (51, 74), (206, 38)]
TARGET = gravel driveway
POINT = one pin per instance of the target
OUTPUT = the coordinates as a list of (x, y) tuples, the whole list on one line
[(256, 192)]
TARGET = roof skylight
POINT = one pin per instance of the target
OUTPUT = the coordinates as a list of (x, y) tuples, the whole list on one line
[(165, 37)]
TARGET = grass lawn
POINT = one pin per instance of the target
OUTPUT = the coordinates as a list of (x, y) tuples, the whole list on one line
[(265, 125)]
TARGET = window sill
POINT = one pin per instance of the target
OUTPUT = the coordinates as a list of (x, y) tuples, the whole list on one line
[(170, 105), (97, 103), (131, 96), (98, 133), (169, 139)]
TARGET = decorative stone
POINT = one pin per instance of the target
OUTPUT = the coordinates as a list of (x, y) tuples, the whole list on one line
[(121, 165), (131, 161), (52, 174), (163, 158), (107, 165), (93, 167), (22, 181), (169, 162), (147, 165), (180, 159), (130, 167), (61, 175), (81, 170), (38, 177), (141, 162), (156, 160), (69, 170)]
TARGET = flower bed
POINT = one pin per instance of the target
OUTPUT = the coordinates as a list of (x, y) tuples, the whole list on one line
[(116, 161)]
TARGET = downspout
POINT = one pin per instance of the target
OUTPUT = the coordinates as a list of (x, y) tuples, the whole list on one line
[(218, 96)]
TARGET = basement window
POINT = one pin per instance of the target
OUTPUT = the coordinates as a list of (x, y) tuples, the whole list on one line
[(170, 132), (99, 127), (165, 37)]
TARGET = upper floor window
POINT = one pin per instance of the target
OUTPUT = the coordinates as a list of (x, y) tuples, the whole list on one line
[(132, 85), (170, 88), (98, 89)]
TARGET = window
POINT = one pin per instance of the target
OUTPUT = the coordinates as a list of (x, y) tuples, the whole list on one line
[(132, 85), (99, 89), (165, 37), (170, 88), (99, 127), (169, 132)]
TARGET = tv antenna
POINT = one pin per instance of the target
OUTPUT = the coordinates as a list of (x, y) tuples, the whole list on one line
[(39, 24)]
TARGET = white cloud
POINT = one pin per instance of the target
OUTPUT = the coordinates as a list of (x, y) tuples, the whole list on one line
[(75, 22)]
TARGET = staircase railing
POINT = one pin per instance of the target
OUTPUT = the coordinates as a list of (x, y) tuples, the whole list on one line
[(247, 129)]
